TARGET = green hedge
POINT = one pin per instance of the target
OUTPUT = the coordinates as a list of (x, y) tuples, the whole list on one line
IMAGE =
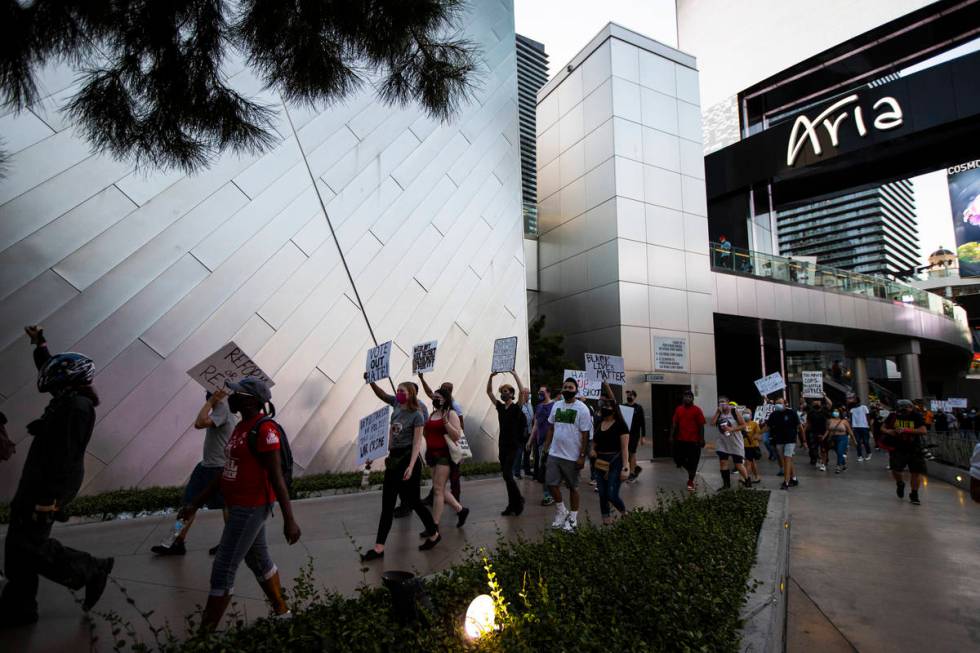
[(673, 579), (135, 500)]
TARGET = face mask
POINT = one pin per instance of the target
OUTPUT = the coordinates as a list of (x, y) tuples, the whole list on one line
[(835, 414), (541, 396), (778, 407), (746, 416), (235, 403), (437, 402), (401, 397), (606, 411), (630, 399), (569, 395), (506, 396)]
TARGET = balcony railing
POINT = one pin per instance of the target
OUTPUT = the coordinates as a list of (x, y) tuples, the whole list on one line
[(779, 268)]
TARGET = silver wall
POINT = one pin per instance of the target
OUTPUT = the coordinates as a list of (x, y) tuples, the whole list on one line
[(149, 273)]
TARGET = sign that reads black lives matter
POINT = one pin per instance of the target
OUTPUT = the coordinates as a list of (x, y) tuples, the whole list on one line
[(603, 367), (964, 199), (424, 357)]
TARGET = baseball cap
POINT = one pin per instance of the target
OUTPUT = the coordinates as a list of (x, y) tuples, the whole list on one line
[(904, 403), (251, 385)]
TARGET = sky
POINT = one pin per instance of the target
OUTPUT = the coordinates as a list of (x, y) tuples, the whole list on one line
[(565, 26)]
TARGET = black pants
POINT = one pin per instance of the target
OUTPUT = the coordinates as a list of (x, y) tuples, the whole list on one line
[(813, 444), (507, 456), (688, 456), (394, 487), (30, 552)]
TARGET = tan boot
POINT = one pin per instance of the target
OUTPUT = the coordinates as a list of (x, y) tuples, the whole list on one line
[(273, 591), (214, 609)]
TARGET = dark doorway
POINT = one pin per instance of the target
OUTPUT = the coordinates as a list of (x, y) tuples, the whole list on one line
[(663, 400)]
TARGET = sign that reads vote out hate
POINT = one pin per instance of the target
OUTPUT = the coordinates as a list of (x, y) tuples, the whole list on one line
[(424, 357), (372, 436), (603, 367), (229, 363), (504, 354), (377, 362)]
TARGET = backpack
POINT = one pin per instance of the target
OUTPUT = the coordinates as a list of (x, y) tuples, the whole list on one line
[(285, 453)]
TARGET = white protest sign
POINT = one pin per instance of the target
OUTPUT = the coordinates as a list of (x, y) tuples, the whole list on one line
[(504, 354), (377, 362), (936, 405), (769, 384), (424, 357), (372, 436), (586, 390), (229, 363), (669, 354), (956, 402), (812, 384), (628, 412), (763, 412), (603, 367)]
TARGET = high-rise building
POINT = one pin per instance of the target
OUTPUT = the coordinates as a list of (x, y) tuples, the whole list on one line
[(873, 231), (532, 73)]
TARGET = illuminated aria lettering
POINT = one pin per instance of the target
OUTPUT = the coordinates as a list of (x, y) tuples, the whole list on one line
[(805, 130)]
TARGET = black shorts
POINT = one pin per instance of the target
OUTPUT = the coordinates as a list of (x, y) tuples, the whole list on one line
[(753, 453), (724, 455), (633, 443), (914, 459), (687, 454)]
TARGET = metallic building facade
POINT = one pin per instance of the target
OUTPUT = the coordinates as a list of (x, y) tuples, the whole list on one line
[(148, 273), (532, 74)]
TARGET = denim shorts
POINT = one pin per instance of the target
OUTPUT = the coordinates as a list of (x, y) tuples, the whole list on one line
[(242, 539), (787, 449), (200, 478)]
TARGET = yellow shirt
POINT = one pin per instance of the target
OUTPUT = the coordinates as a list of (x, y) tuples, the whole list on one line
[(753, 434)]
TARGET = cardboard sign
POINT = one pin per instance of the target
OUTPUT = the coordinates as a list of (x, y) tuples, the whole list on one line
[(769, 384), (424, 357), (229, 363), (669, 354), (763, 412), (812, 384), (504, 354), (602, 367), (956, 402), (628, 412), (377, 362), (586, 389), (372, 436)]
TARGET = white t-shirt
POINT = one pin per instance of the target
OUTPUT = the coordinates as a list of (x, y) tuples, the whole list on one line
[(859, 417), (569, 421)]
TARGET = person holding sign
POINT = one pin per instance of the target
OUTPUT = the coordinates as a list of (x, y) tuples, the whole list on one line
[(454, 485), (610, 452), (570, 424), (403, 470), (730, 444), (510, 440), (443, 424)]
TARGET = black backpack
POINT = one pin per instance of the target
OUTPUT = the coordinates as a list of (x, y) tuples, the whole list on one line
[(285, 453)]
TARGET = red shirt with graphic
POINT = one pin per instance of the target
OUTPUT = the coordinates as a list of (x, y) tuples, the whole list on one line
[(244, 481), (689, 420)]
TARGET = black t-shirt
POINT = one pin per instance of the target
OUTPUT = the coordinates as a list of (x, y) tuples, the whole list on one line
[(783, 426), (512, 425), (900, 420), (817, 421), (608, 441)]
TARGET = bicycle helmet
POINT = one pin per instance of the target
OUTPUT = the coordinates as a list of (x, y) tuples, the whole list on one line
[(63, 370)]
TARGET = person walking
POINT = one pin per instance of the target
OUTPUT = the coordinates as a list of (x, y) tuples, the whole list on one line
[(638, 434), (730, 445), (442, 425), (816, 434), (454, 470), (539, 432), (784, 430), (687, 433), (510, 440), (522, 462), (610, 449), (217, 421), (403, 470), (753, 445), (570, 424), (862, 429), (839, 431), (903, 431), (51, 478), (251, 483)]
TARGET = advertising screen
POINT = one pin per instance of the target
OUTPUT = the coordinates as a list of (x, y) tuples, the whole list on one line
[(964, 196)]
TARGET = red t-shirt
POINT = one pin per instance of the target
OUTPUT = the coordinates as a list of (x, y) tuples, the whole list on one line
[(689, 420), (435, 436), (244, 481)]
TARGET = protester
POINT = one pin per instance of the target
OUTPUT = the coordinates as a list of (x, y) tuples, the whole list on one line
[(510, 440), (730, 444), (404, 510), (442, 425), (839, 432), (539, 432), (522, 462), (861, 428), (687, 432), (570, 423), (784, 430), (454, 472), (816, 434), (753, 449), (610, 450), (638, 434), (903, 431), (215, 417), (51, 477), (403, 470), (251, 483)]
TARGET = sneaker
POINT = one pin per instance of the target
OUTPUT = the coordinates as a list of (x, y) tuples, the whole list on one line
[(868, 458), (288, 614), (838, 470), (793, 482), (821, 467), (631, 478), (690, 486), (519, 508), (900, 489), (569, 526), (430, 544), (547, 501), (636, 471), (860, 459), (783, 486), (372, 555), (461, 517), (96, 585), (175, 549), (914, 497), (843, 467), (560, 520)]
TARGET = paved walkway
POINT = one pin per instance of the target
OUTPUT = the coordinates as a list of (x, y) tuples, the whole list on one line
[(870, 573)]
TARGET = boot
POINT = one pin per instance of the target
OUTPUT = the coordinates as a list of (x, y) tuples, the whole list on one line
[(273, 591), (214, 609)]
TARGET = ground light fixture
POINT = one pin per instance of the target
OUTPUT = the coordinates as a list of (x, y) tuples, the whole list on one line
[(480, 617)]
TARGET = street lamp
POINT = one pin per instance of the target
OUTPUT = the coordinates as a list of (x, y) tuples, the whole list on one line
[(480, 617)]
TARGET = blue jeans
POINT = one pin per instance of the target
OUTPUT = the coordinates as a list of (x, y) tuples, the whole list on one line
[(609, 482), (770, 447), (840, 448), (863, 437), (242, 539), (518, 462)]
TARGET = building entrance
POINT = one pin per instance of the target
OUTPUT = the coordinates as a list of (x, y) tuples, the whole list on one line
[(663, 400)]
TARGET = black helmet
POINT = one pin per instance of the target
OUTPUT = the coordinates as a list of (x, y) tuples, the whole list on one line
[(62, 370)]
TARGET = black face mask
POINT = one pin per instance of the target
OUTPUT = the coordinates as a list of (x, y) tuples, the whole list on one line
[(568, 394), (506, 396), (437, 403), (606, 411), (541, 396), (236, 403)]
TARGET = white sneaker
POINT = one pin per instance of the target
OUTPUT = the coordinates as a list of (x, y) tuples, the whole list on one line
[(821, 467), (860, 459), (868, 458), (560, 518), (570, 525)]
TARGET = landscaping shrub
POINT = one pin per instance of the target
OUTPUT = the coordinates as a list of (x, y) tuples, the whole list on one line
[(672, 579)]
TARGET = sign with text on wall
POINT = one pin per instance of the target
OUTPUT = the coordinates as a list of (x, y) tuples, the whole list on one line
[(372, 436), (504, 354), (769, 384), (378, 359), (603, 367), (229, 363), (670, 354), (424, 357), (812, 384), (586, 390)]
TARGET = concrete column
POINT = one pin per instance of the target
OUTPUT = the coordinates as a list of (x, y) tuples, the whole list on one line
[(911, 376), (861, 388)]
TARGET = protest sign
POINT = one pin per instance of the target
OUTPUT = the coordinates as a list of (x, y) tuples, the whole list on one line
[(956, 402), (769, 384), (628, 412), (603, 367), (229, 363), (377, 362), (937, 405), (586, 390), (424, 357), (812, 384), (504, 354), (669, 354), (763, 412), (372, 436)]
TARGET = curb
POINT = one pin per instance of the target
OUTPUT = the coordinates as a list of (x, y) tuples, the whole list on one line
[(764, 614), (949, 474)]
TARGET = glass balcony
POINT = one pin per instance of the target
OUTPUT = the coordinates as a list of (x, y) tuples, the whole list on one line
[(744, 262)]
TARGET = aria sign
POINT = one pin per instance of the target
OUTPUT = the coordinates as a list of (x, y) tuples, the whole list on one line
[(805, 131)]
